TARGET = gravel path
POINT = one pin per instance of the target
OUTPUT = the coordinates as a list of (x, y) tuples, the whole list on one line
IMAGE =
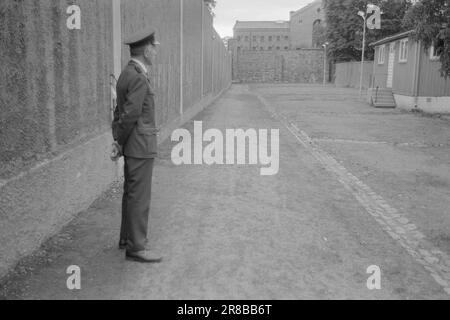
[(227, 232)]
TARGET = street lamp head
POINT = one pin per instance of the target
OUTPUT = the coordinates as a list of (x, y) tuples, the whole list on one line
[(361, 14)]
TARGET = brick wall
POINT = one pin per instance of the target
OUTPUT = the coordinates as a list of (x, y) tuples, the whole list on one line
[(296, 66)]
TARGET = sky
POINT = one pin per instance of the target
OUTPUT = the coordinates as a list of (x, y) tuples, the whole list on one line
[(228, 11)]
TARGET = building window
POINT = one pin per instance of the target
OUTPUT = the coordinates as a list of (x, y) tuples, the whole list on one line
[(254, 38), (403, 52), (262, 39), (317, 33), (433, 53), (261, 48), (246, 38), (270, 38), (318, 10), (270, 48), (239, 38), (278, 38), (254, 48), (286, 48), (286, 37), (301, 21), (278, 48), (381, 54)]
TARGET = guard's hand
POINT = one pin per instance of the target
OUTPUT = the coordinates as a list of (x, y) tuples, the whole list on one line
[(116, 152)]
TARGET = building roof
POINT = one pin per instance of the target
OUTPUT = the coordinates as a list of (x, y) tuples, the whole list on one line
[(392, 38), (261, 25), (306, 7)]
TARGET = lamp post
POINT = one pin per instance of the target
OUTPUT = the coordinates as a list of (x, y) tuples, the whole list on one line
[(362, 14), (212, 64), (325, 45)]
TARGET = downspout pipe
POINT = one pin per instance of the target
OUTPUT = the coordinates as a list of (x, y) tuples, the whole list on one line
[(181, 57), (417, 73)]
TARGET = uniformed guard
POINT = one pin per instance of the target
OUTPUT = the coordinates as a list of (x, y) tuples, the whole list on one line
[(135, 137)]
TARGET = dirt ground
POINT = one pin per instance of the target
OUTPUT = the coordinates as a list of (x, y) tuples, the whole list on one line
[(226, 232)]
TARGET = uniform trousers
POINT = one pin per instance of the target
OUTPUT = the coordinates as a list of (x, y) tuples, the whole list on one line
[(136, 202)]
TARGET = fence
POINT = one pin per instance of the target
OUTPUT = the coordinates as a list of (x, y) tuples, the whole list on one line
[(348, 74)]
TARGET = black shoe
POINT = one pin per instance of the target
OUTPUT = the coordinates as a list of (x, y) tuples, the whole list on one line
[(122, 244), (146, 256)]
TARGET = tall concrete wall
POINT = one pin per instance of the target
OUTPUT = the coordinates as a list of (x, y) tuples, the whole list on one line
[(348, 74), (55, 102), (55, 85), (179, 34), (165, 17), (54, 112), (295, 66)]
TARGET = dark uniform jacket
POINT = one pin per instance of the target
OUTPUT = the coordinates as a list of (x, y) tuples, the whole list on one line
[(134, 118)]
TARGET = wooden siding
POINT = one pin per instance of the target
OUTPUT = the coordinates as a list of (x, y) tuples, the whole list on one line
[(380, 70), (404, 71), (431, 84)]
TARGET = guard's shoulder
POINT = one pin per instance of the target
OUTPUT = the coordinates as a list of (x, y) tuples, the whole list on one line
[(132, 69), (131, 72)]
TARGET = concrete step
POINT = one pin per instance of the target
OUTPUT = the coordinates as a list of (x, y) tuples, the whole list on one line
[(383, 95), (384, 105), (382, 98)]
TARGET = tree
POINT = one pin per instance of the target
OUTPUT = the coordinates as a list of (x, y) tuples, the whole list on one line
[(345, 27), (211, 5), (430, 19)]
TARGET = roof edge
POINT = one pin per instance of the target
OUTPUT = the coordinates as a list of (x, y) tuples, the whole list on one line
[(281, 23), (305, 7), (392, 38)]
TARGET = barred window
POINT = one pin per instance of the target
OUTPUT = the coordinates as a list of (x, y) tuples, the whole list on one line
[(403, 52), (433, 53), (381, 54)]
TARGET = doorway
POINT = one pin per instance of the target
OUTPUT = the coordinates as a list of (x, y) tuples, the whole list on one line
[(390, 75)]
